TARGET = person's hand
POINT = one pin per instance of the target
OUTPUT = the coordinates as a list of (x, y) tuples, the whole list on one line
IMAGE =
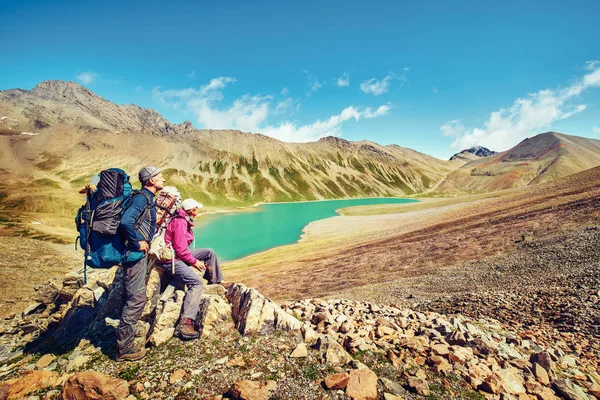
[(144, 246), (199, 265)]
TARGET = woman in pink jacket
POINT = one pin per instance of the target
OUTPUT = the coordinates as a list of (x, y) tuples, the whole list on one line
[(179, 233)]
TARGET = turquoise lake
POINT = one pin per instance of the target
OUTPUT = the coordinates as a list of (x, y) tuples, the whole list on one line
[(236, 235)]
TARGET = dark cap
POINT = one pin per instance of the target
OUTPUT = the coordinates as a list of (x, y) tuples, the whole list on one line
[(148, 172)]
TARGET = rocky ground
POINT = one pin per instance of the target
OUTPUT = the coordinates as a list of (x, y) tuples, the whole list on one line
[(62, 346)]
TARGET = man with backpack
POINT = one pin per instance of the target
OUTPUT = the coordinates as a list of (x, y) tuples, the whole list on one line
[(138, 223)]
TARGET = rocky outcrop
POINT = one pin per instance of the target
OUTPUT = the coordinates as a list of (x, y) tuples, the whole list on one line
[(90, 385)]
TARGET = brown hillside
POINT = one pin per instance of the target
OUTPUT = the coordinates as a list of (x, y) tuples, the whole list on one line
[(539, 159)]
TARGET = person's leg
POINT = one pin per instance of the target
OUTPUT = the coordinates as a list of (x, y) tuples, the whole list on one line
[(213, 273), (195, 286), (134, 286)]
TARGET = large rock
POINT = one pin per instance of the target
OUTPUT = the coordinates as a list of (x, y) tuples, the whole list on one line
[(331, 351), (152, 291), (254, 313), (569, 390), (362, 385), (91, 385), (253, 390), (213, 311), (511, 380), (165, 321), (337, 381), (28, 383), (48, 291)]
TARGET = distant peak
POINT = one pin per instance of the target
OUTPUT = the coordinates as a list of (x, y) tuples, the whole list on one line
[(478, 151), (335, 141), (54, 85)]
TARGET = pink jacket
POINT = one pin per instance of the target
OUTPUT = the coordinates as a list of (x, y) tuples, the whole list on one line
[(179, 232)]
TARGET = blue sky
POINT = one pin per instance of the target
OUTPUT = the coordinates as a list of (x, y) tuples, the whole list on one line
[(435, 76)]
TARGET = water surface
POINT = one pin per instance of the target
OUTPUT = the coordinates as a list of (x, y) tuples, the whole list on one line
[(236, 235)]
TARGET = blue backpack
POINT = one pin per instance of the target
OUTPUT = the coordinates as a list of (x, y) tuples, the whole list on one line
[(99, 218)]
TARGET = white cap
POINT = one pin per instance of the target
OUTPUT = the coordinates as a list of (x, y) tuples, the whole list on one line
[(190, 204), (172, 190)]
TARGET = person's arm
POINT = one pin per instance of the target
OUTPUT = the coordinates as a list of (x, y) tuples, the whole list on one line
[(178, 234), (128, 219)]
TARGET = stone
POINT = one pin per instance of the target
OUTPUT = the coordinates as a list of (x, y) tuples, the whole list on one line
[(393, 387), (30, 382), (158, 338), (511, 380), (254, 313), (569, 390), (492, 384), (389, 396), (300, 351), (594, 390), (362, 385), (77, 363), (540, 374), (48, 291), (460, 354), (252, 390), (91, 385), (331, 351), (440, 349), (337, 381), (213, 311), (544, 359), (45, 361), (419, 386), (152, 291), (31, 307), (176, 376)]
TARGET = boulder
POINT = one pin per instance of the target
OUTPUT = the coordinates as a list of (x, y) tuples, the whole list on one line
[(254, 313), (48, 291), (166, 318), (28, 383), (419, 386), (91, 385), (569, 390), (252, 390), (337, 381), (331, 351), (511, 380), (300, 351), (541, 374), (44, 361), (152, 291), (213, 310), (362, 385)]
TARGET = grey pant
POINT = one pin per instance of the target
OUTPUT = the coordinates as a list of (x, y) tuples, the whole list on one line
[(185, 274), (134, 293)]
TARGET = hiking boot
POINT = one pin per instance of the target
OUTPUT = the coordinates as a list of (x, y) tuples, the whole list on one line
[(133, 355), (185, 329)]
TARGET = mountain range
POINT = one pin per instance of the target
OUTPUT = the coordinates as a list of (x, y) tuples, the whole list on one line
[(54, 137)]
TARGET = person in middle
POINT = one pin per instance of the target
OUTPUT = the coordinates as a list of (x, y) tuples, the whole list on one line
[(180, 235)]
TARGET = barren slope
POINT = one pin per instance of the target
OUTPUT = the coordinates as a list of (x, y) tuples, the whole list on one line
[(384, 248), (539, 159)]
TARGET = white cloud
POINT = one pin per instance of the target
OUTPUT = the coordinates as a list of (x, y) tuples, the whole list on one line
[(284, 91), (527, 116), (376, 87), (596, 129), (139, 88), (255, 113), (87, 78), (434, 89), (344, 80), (313, 83), (192, 75), (406, 69), (452, 128)]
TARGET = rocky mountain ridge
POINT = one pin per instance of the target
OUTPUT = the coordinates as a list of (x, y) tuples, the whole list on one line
[(60, 133)]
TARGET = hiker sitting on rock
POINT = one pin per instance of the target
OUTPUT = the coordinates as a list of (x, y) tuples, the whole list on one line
[(180, 235)]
